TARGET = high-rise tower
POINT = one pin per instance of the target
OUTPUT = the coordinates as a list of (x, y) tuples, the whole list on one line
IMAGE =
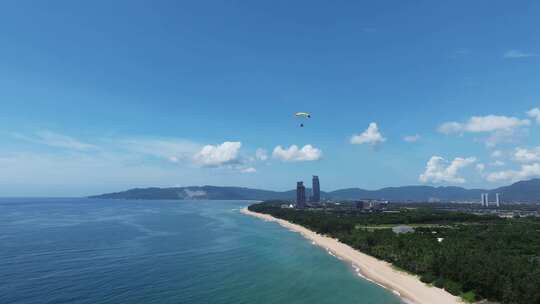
[(316, 190), (485, 200), (300, 195)]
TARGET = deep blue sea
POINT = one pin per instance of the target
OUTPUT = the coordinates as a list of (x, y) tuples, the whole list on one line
[(118, 251)]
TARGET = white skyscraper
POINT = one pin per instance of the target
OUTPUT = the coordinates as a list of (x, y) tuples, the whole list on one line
[(485, 200), (498, 199)]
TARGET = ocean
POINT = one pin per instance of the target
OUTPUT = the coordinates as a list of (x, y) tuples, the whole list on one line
[(119, 251)]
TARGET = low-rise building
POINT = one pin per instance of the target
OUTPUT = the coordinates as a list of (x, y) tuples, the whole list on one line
[(402, 229), (371, 205)]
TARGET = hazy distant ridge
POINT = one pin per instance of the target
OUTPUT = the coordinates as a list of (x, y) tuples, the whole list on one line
[(525, 191)]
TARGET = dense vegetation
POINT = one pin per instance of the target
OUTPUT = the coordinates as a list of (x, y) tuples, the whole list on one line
[(480, 257)]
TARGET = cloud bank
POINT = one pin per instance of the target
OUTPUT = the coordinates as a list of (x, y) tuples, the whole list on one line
[(411, 138), (218, 155), (294, 154), (524, 155), (526, 171), (535, 114), (261, 154), (478, 124), (56, 140), (439, 171), (501, 129), (516, 54), (371, 136)]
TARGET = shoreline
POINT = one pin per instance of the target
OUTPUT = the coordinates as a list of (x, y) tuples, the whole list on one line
[(408, 287)]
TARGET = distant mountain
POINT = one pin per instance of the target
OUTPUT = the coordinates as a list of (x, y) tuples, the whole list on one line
[(523, 191), (410, 193), (196, 192)]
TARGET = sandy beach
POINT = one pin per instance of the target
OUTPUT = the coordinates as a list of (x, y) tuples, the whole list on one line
[(407, 286)]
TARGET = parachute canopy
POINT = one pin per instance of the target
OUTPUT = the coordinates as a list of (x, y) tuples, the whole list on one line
[(302, 115)]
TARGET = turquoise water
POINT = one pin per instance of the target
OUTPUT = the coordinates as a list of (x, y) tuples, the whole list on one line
[(102, 251)]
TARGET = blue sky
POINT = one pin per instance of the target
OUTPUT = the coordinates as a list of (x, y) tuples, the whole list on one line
[(101, 96)]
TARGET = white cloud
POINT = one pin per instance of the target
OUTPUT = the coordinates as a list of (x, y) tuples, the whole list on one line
[(510, 136), (261, 154), (370, 136), (497, 163), (293, 153), (501, 129), (173, 150), (248, 170), (478, 124), (525, 172), (496, 154), (534, 113), (111, 164), (411, 138), (194, 193), (438, 170), (56, 140), (140, 149), (524, 155), (47, 173), (480, 167), (451, 127), (218, 155), (513, 54)]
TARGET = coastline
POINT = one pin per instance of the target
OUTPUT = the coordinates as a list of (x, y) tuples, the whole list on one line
[(404, 285)]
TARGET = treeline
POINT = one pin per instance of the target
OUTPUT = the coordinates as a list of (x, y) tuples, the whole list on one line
[(479, 257)]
